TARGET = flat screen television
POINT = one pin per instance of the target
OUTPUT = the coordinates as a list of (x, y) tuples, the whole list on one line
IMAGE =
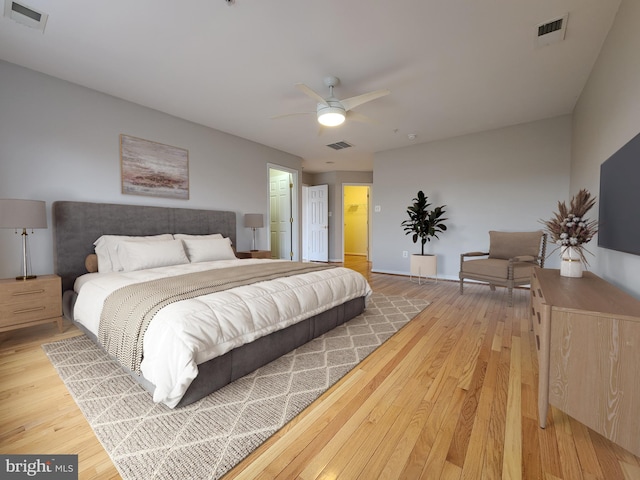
[(619, 200)]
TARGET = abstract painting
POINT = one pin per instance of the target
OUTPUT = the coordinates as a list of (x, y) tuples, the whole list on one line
[(153, 169)]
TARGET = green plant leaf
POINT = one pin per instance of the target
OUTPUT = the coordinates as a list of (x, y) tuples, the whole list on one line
[(424, 223)]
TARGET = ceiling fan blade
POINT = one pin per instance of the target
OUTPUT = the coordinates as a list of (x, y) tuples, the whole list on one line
[(358, 117), (276, 117), (307, 91), (353, 102)]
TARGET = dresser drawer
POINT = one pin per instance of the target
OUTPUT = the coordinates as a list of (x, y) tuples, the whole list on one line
[(24, 302)]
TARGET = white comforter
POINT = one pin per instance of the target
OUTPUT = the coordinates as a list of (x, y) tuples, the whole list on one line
[(187, 333)]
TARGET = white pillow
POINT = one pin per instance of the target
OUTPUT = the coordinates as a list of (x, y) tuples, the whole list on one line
[(208, 249), (181, 236), (185, 236), (107, 253), (139, 255)]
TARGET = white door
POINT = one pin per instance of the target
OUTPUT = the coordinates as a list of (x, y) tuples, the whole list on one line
[(304, 222), (318, 216), (280, 214)]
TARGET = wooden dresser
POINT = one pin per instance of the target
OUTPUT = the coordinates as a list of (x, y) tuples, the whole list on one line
[(588, 337), (24, 303)]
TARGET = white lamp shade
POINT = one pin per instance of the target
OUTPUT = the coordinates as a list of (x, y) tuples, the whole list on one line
[(253, 220), (15, 213)]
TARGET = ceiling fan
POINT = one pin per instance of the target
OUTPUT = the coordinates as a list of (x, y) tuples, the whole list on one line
[(331, 111)]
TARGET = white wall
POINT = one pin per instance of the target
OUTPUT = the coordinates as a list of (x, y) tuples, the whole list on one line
[(606, 117), (60, 141), (505, 179)]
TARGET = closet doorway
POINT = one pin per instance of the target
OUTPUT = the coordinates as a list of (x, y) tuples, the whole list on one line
[(356, 219)]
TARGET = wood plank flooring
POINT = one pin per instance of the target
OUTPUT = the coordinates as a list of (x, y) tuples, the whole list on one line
[(451, 396)]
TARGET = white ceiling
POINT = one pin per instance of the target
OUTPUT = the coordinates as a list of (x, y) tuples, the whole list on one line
[(453, 66)]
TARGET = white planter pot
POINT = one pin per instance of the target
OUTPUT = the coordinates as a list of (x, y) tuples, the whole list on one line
[(423, 266), (571, 265)]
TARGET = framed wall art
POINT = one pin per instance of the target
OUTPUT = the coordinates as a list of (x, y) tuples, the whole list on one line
[(153, 169)]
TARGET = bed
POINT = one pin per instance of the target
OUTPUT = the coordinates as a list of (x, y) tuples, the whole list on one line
[(195, 344)]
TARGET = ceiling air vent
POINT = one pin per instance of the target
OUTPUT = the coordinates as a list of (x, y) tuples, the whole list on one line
[(552, 31), (21, 13), (339, 145)]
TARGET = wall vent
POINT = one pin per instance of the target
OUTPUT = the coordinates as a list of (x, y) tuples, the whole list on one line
[(339, 145), (552, 31), (21, 13)]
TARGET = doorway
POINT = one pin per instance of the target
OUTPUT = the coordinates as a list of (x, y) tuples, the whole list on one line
[(356, 220), (283, 213)]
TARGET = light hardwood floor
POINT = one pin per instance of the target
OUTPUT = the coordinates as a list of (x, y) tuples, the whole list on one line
[(452, 395)]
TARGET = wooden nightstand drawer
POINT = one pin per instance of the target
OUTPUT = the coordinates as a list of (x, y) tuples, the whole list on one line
[(27, 312), (30, 302), (254, 254)]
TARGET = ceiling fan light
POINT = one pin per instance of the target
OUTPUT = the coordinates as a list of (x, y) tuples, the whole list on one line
[(331, 116)]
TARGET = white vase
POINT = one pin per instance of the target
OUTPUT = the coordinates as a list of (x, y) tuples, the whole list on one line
[(424, 266), (571, 265)]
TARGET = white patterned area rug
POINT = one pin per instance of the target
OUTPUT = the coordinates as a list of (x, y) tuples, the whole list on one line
[(206, 439)]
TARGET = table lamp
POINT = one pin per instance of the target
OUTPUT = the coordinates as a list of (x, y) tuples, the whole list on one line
[(253, 221), (23, 214)]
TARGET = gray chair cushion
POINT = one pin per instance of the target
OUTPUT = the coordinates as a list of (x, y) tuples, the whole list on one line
[(506, 245)]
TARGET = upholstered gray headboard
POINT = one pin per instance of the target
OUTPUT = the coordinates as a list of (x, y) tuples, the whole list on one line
[(76, 225)]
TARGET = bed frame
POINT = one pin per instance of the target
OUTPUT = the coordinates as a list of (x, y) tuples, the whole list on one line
[(76, 225)]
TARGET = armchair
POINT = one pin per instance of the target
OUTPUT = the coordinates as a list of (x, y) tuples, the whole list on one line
[(510, 259)]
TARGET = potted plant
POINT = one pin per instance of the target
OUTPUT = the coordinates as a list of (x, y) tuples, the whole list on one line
[(570, 229), (423, 224)]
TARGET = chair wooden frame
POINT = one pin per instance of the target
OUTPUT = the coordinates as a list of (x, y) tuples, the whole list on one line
[(509, 281)]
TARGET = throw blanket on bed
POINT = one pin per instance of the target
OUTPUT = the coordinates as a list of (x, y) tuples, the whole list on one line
[(127, 311)]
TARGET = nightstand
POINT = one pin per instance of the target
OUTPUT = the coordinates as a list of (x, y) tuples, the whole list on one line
[(24, 303), (254, 254)]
